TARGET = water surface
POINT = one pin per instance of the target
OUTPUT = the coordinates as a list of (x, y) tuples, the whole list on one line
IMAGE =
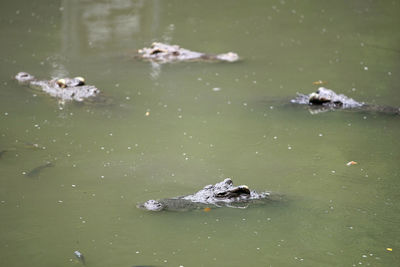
[(204, 122)]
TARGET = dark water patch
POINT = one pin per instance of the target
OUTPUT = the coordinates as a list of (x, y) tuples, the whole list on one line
[(2, 152)]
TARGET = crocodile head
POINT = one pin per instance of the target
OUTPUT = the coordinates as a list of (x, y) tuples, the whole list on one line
[(328, 98), (223, 191), (219, 194), (164, 53)]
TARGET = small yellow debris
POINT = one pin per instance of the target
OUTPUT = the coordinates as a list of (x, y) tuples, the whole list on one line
[(147, 113), (389, 249), (319, 82), (207, 209), (351, 163)]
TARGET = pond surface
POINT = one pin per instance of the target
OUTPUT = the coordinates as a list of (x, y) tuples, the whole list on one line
[(169, 130)]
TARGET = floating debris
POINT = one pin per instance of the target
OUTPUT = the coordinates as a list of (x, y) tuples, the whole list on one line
[(79, 256), (207, 209), (33, 146), (389, 249), (351, 163), (319, 82)]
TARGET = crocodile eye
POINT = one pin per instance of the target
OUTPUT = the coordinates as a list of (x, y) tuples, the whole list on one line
[(156, 51), (339, 103), (81, 80), (228, 181), (61, 83)]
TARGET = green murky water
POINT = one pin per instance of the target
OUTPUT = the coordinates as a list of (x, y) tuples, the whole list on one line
[(109, 157)]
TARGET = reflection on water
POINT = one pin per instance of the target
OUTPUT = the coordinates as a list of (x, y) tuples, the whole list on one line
[(155, 70), (96, 24), (169, 132), (100, 22)]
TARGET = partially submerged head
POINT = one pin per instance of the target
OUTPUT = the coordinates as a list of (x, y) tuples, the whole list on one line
[(223, 191), (329, 98), (220, 194)]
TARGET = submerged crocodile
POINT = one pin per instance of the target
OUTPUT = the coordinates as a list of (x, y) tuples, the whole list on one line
[(36, 171), (66, 89), (165, 53), (218, 195), (325, 99)]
